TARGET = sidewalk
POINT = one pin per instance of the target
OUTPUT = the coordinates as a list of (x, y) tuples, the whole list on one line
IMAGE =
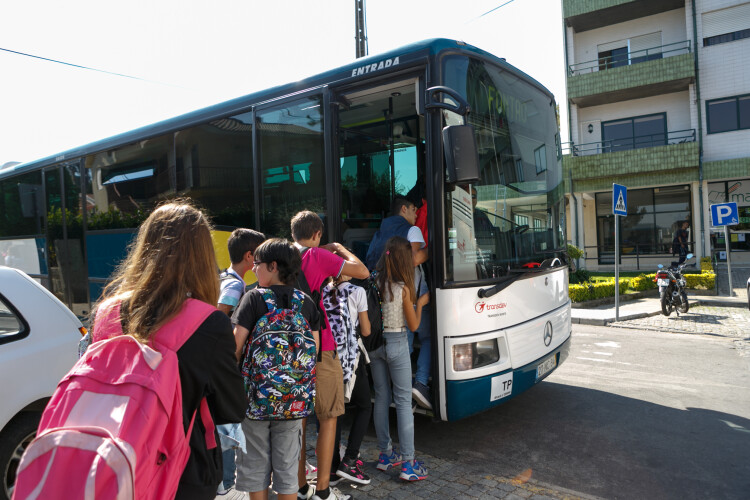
[(648, 306)]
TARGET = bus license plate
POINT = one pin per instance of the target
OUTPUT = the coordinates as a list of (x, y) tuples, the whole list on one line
[(545, 367), (662, 282)]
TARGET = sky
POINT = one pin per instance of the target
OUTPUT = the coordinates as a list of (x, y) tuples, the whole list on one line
[(182, 55)]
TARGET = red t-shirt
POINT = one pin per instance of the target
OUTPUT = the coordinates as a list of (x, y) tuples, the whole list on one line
[(319, 264)]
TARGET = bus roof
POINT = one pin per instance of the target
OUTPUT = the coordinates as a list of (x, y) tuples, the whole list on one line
[(412, 52)]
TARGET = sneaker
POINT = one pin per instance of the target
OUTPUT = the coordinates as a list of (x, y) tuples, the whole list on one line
[(333, 480), (352, 470), (334, 494), (385, 461), (221, 491), (413, 470), (308, 495), (421, 393), (310, 470)]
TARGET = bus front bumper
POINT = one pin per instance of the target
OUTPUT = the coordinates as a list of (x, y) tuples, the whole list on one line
[(468, 397)]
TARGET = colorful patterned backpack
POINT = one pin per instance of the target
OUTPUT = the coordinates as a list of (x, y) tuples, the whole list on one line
[(279, 363)]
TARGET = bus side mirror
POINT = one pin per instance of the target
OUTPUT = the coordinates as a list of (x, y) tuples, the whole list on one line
[(461, 157)]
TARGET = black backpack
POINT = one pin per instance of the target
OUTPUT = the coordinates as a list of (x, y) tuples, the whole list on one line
[(374, 312)]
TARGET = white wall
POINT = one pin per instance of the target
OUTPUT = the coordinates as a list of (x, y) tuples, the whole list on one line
[(724, 72), (671, 24)]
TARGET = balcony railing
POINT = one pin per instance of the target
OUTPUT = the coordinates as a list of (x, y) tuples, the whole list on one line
[(638, 56), (628, 143)]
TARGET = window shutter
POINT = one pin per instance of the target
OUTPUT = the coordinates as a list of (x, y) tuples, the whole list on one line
[(643, 42), (604, 47), (720, 22)]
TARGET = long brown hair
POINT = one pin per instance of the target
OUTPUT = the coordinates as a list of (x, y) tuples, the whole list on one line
[(171, 259), (396, 265)]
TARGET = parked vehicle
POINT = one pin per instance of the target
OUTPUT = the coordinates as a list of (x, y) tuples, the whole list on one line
[(671, 285), (38, 345)]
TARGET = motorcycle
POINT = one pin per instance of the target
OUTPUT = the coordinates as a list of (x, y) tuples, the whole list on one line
[(671, 285)]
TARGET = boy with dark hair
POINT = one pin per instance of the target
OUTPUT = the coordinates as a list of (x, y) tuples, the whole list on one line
[(273, 443), (318, 264), (241, 244)]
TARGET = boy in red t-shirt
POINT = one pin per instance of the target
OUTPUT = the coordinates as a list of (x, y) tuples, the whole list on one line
[(318, 264)]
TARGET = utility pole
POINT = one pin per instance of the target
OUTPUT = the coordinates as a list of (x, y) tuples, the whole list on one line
[(360, 28)]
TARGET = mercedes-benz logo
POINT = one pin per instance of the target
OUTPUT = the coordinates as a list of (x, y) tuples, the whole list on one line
[(548, 333)]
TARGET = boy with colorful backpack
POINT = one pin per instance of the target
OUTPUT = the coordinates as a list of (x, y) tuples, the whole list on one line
[(276, 332)]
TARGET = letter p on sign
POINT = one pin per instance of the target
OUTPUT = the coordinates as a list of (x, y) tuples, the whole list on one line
[(724, 214)]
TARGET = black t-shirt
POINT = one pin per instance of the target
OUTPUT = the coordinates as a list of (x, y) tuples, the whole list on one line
[(252, 307)]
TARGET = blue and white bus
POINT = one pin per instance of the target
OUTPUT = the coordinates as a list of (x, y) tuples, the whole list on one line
[(477, 138)]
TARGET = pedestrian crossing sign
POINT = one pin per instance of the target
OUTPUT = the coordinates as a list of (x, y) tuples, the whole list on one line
[(619, 199)]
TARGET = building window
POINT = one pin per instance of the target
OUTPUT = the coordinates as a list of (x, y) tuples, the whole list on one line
[(634, 133), (521, 220), (725, 115), (540, 159), (653, 216), (519, 171), (726, 25), (726, 37), (613, 58)]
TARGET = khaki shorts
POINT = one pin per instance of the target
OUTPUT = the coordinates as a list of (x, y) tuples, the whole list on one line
[(272, 446), (329, 386)]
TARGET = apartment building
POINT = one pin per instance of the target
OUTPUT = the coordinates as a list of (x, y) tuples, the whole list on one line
[(659, 101)]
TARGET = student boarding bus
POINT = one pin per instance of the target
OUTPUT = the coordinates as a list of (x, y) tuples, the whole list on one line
[(475, 137)]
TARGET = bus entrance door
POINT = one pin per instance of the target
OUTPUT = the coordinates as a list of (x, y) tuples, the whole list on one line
[(380, 140)]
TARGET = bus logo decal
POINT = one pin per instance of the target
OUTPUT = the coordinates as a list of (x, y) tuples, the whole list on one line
[(480, 307), (548, 333), (363, 70)]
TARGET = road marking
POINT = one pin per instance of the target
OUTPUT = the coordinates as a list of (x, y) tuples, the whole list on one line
[(604, 353), (608, 344), (735, 426), (596, 359)]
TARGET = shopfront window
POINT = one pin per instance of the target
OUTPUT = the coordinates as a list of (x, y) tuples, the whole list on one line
[(653, 217), (737, 191)]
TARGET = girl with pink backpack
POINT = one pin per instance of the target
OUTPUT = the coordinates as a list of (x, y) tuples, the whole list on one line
[(135, 416)]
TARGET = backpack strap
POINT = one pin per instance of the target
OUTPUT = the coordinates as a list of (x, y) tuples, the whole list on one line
[(297, 299)]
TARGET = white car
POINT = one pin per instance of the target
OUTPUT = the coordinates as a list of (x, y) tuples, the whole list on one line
[(38, 345)]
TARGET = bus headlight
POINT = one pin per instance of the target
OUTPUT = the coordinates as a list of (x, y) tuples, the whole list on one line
[(475, 355)]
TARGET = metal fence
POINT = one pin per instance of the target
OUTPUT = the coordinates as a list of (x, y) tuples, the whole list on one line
[(629, 143), (635, 57)]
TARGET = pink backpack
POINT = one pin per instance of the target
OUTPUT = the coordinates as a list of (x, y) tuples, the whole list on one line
[(114, 428)]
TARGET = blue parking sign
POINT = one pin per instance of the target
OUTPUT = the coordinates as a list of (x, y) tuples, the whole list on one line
[(619, 199), (724, 214)]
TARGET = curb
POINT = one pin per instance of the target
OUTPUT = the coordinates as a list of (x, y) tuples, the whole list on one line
[(694, 301)]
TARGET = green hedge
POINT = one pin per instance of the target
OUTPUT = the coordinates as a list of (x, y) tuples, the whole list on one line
[(600, 290), (703, 281), (590, 291), (643, 282)]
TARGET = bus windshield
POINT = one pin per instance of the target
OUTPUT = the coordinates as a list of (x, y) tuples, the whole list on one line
[(513, 217)]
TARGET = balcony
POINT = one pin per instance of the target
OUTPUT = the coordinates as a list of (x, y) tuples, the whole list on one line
[(643, 73), (636, 161), (584, 15)]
